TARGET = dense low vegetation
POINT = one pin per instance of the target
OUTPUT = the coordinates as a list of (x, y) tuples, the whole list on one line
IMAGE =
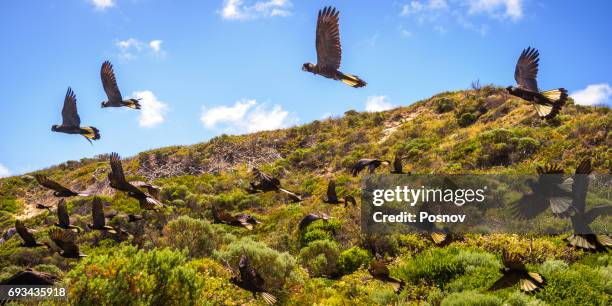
[(178, 256)]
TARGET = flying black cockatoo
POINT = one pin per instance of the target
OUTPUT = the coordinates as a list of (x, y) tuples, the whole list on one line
[(549, 190), (250, 280), (329, 52), (371, 163), (332, 196), (267, 183), (515, 271), (117, 180), (98, 218), (241, 220), (43, 206), (71, 122), (26, 235), (379, 270), (109, 82), (583, 236), (66, 241), (309, 218), (58, 189), (547, 103), (29, 277), (63, 219), (398, 168)]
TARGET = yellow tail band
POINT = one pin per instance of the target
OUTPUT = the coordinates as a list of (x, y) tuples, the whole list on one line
[(555, 94), (92, 133)]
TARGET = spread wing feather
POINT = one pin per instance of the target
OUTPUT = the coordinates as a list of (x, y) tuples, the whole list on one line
[(526, 70), (70, 117), (62, 214), (109, 83), (329, 51)]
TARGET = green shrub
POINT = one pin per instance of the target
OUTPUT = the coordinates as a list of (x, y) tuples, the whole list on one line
[(198, 237), (527, 146), (466, 119), (319, 230), (469, 298), (443, 105), (276, 268), (352, 259), (575, 285), (129, 276), (320, 258), (439, 266)]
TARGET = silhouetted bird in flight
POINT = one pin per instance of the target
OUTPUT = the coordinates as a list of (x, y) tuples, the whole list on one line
[(268, 183), (117, 180), (29, 277), (241, 220), (26, 235), (251, 281), (71, 122), (379, 270), (398, 168), (98, 218), (43, 206), (134, 218), (441, 236), (112, 90), (547, 103), (154, 191), (329, 52), (58, 190), (66, 241), (371, 163), (309, 218), (583, 236), (63, 219), (549, 190), (332, 197), (515, 271)]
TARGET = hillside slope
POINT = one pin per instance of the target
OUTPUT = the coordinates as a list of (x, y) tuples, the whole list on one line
[(474, 131)]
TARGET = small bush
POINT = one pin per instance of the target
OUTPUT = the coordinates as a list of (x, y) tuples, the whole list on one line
[(469, 298), (575, 285), (320, 258), (198, 237), (130, 276), (319, 230), (276, 268), (466, 119), (439, 266), (352, 259), (443, 105)]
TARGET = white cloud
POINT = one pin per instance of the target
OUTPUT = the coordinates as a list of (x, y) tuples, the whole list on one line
[(594, 94), (238, 10), (103, 4), (378, 104), (246, 116), (4, 171), (155, 45), (416, 6), (472, 15), (153, 110), (131, 48), (512, 9)]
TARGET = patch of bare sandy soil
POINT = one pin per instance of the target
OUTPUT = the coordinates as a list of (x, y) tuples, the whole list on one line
[(392, 125), (34, 197)]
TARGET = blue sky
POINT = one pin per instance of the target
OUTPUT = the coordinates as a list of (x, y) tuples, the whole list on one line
[(209, 67)]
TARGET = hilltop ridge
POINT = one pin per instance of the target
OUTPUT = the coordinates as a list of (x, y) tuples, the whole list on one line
[(482, 130)]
